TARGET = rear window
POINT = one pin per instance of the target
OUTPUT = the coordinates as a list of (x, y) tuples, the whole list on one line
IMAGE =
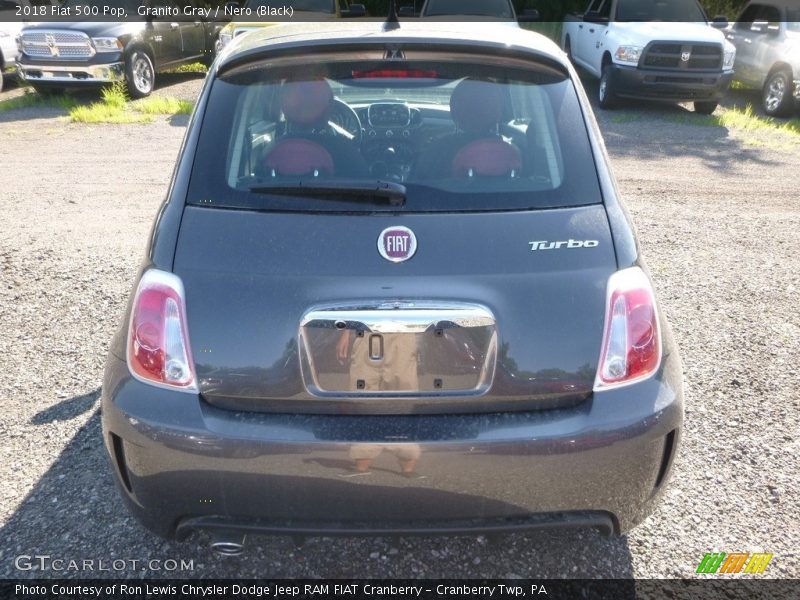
[(454, 135)]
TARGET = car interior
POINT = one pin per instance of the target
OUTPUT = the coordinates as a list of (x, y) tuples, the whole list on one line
[(404, 125)]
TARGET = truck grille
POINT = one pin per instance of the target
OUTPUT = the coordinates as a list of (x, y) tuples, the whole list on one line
[(63, 45), (686, 57)]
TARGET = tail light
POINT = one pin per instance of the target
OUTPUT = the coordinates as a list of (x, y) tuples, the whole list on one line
[(158, 340), (632, 341)]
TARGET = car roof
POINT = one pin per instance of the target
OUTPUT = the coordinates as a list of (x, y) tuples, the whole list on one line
[(497, 36)]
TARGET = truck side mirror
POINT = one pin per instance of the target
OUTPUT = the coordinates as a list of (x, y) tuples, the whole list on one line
[(720, 22), (529, 15), (355, 11)]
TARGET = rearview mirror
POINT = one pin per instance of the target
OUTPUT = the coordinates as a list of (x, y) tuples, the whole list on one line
[(529, 15)]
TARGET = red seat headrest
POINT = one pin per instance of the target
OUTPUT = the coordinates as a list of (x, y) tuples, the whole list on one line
[(306, 102), (295, 157), (487, 158), (476, 106)]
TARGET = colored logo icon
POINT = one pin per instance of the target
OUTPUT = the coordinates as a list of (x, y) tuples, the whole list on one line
[(734, 562), (397, 244)]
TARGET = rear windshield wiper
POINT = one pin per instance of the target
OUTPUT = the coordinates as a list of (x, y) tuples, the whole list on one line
[(349, 191)]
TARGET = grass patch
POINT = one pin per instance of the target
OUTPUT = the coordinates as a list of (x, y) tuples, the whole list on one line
[(99, 112), (747, 120), (163, 106), (744, 120), (115, 107), (115, 96), (31, 99), (112, 108), (195, 67)]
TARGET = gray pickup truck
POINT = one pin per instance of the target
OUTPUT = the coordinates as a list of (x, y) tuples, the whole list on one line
[(767, 40), (55, 56)]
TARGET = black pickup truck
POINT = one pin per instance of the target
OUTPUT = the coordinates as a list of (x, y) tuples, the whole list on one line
[(57, 55)]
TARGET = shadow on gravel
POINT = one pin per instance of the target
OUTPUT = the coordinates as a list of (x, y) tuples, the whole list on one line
[(74, 512), (650, 130), (178, 120), (67, 409)]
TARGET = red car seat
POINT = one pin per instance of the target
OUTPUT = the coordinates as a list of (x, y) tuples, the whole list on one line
[(306, 105)]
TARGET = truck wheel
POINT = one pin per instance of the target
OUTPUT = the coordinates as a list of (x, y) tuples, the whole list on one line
[(777, 94), (606, 94), (140, 74), (705, 108)]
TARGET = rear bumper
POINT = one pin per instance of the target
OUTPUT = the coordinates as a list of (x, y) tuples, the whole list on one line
[(182, 464), (674, 86), (72, 74)]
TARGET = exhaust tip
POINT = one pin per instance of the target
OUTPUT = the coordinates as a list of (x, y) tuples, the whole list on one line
[(228, 544)]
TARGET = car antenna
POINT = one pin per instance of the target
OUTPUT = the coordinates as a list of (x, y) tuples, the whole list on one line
[(392, 22)]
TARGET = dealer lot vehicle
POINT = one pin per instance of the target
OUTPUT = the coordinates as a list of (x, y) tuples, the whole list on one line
[(392, 290), (483, 10), (12, 13), (767, 40), (651, 49), (58, 55), (311, 10), (8, 49)]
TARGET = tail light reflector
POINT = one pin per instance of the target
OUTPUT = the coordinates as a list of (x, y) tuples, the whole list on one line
[(158, 340), (632, 340)]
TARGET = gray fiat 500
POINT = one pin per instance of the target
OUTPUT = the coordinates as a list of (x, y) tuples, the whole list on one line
[(391, 290)]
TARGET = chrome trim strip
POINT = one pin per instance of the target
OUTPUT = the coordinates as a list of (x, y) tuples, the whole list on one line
[(38, 39), (94, 73), (393, 318)]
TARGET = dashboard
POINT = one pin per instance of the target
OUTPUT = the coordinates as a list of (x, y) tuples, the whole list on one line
[(391, 133)]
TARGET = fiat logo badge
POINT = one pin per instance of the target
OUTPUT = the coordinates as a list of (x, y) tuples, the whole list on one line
[(397, 244)]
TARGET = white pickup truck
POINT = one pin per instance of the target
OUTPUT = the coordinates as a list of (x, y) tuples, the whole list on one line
[(652, 49)]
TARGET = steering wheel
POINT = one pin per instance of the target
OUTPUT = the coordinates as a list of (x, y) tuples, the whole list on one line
[(344, 121)]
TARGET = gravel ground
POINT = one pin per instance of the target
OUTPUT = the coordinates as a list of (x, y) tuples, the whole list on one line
[(718, 220)]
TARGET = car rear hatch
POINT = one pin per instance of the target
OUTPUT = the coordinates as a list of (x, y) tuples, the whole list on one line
[(477, 282), (490, 323)]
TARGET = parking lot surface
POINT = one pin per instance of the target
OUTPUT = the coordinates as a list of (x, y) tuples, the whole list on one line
[(718, 217)]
